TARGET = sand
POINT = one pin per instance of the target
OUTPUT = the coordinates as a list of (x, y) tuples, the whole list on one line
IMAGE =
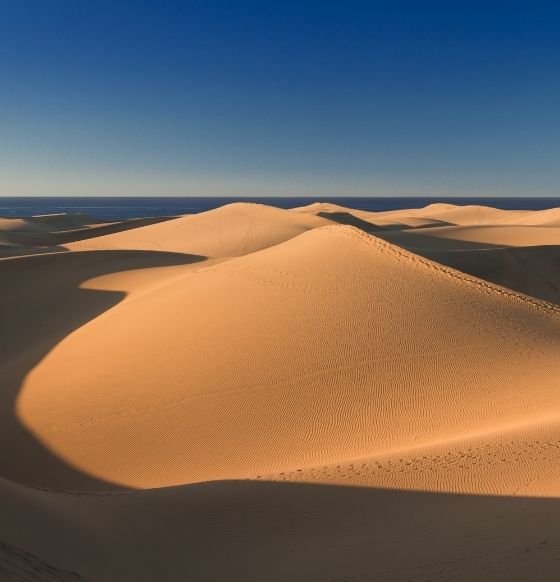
[(316, 394)]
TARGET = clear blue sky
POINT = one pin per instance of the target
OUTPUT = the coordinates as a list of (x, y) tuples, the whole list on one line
[(279, 98)]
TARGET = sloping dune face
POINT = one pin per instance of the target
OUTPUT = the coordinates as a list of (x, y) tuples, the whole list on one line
[(321, 387), (331, 333)]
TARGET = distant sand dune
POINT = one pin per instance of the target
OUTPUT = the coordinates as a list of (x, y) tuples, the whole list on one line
[(232, 230), (45, 234), (317, 394), (464, 237)]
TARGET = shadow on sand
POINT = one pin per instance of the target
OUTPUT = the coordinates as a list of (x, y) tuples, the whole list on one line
[(253, 531), (40, 304), (351, 220), (306, 532)]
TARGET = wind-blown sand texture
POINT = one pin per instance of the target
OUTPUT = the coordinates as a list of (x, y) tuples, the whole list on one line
[(255, 394)]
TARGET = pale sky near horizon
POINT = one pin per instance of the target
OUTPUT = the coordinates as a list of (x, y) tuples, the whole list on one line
[(247, 98)]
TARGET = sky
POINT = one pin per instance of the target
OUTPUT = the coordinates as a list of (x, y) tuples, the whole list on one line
[(242, 98)]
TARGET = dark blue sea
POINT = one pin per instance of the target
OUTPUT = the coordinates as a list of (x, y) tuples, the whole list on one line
[(135, 207)]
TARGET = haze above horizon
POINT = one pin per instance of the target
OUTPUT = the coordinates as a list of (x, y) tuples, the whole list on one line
[(269, 99)]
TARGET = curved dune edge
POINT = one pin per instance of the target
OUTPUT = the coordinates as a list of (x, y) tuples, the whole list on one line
[(331, 366), (319, 397), (280, 527)]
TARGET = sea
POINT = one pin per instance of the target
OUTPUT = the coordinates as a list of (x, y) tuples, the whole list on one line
[(121, 208)]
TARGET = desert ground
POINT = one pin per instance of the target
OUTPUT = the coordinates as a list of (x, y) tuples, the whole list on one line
[(253, 394)]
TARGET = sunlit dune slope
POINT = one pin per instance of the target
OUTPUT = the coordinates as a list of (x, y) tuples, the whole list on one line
[(232, 230), (329, 346)]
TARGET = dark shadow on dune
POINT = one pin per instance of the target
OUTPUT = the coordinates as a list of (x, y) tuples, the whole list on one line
[(351, 220), (534, 271), (403, 226), (414, 241), (278, 531), (370, 227), (41, 303), (251, 531)]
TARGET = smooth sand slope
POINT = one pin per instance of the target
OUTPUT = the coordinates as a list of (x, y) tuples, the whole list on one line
[(295, 392)]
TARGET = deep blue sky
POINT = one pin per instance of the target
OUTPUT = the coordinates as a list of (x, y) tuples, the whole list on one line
[(279, 98)]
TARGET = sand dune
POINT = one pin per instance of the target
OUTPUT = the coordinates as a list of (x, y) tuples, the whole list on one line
[(468, 237), (550, 217), (469, 215), (444, 214), (232, 230), (46, 234), (302, 393)]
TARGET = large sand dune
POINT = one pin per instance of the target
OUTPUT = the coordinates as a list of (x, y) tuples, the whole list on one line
[(319, 394)]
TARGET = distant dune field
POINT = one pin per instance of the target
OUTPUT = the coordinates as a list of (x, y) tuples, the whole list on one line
[(318, 394)]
